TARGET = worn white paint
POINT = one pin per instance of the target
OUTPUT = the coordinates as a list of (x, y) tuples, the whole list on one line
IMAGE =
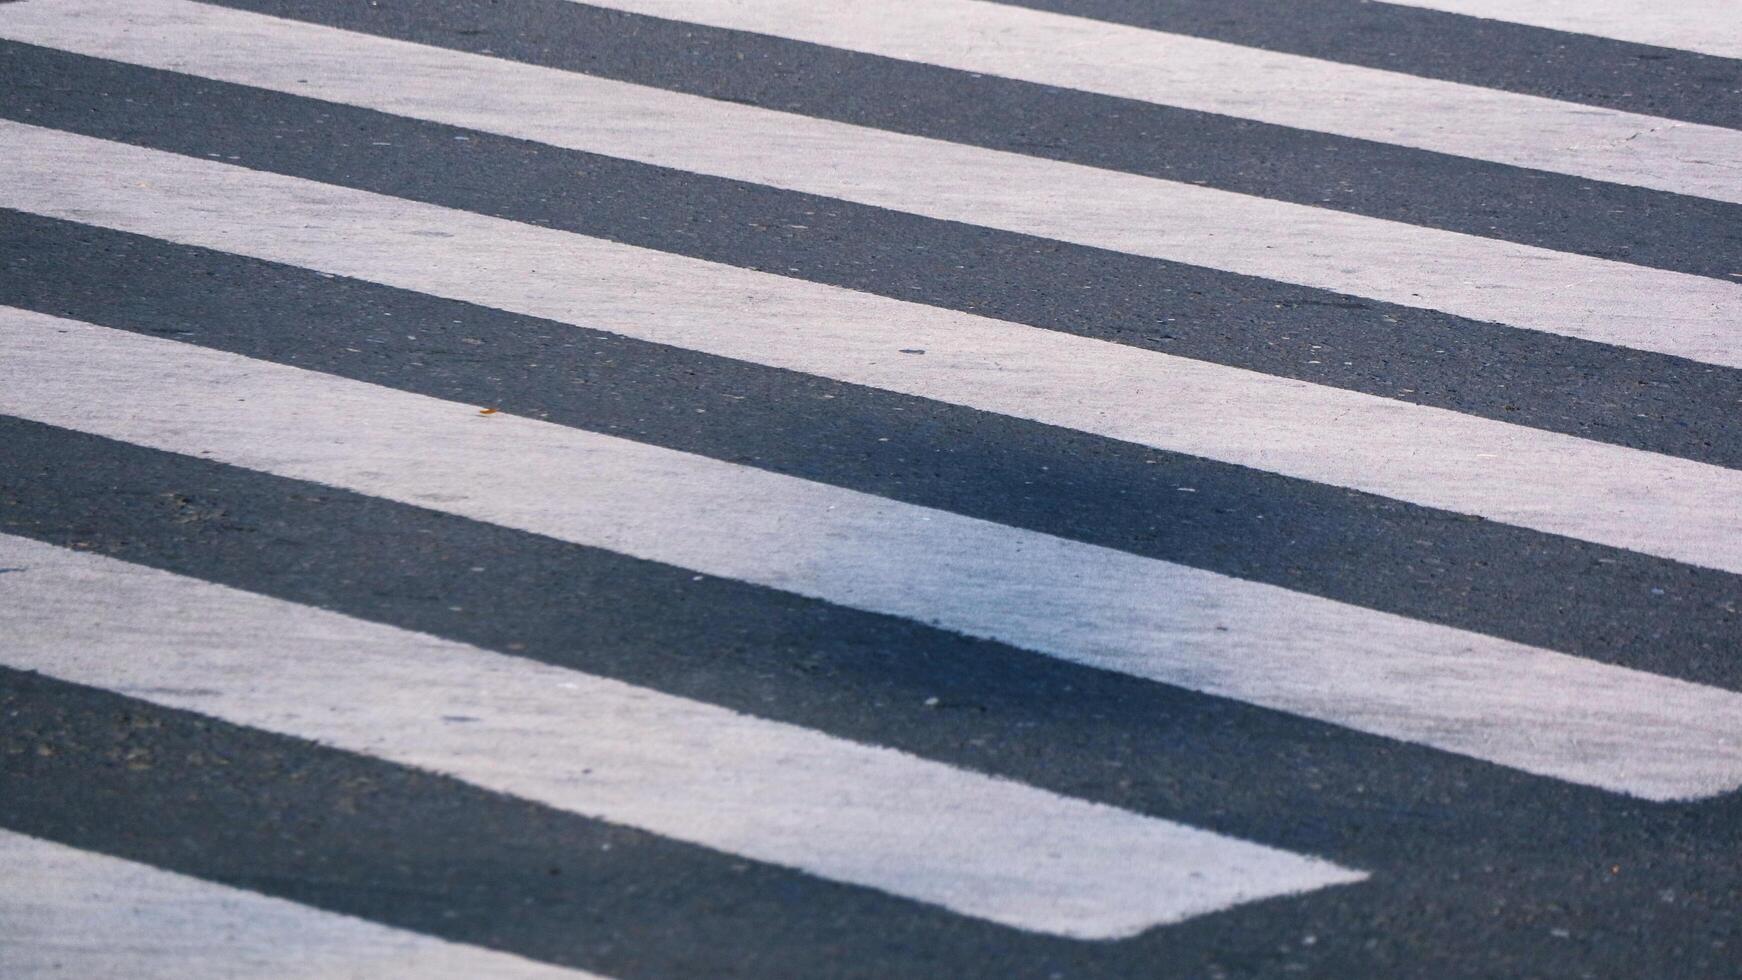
[(1485, 279), (1515, 705), (872, 816), (1707, 26), (86, 916), (1651, 503)]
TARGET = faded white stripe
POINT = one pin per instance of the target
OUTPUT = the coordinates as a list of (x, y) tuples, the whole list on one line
[(774, 792), (1578, 296), (86, 916), (1504, 702), (1707, 26), (1647, 502), (1284, 89)]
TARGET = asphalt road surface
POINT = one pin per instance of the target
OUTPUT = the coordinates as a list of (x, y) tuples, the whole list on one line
[(870, 488)]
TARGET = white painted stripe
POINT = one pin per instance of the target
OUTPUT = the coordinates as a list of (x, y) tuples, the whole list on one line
[(1651, 503), (1231, 80), (1707, 26), (1579, 296), (1504, 702), (71, 913), (774, 792)]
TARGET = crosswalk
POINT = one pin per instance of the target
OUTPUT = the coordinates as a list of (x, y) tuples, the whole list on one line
[(89, 915), (954, 555), (1479, 278), (1668, 507), (1699, 26), (1627, 730), (1249, 83), (997, 850)]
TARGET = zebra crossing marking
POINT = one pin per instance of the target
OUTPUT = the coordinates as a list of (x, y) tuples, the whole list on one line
[(1249, 83), (75, 913), (978, 845), (1515, 705), (1691, 25), (1646, 502), (1525, 286)]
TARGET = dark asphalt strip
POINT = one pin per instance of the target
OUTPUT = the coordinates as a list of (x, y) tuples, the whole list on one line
[(1549, 591), (1564, 213), (1474, 865), (1610, 394), (1581, 68)]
